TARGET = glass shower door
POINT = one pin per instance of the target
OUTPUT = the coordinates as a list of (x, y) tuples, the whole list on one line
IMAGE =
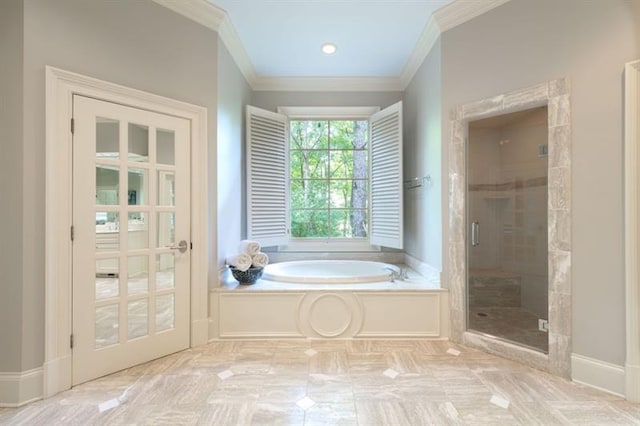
[(507, 288)]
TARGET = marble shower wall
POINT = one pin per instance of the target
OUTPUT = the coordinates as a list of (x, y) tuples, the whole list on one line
[(556, 95)]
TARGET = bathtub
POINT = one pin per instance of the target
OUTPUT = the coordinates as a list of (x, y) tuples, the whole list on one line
[(330, 299), (329, 272)]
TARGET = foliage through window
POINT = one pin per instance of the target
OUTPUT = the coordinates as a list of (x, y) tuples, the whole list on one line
[(329, 178)]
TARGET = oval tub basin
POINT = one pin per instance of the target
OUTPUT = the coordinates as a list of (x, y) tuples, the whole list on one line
[(329, 271)]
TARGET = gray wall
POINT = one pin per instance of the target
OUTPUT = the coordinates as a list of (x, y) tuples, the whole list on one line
[(11, 183), (272, 100), (522, 43), (422, 156), (138, 44), (233, 94)]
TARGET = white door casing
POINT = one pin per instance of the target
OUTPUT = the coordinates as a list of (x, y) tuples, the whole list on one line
[(632, 238), (61, 86), (130, 289)]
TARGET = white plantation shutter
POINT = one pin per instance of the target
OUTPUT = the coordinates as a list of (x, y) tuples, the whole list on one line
[(267, 177), (386, 177)]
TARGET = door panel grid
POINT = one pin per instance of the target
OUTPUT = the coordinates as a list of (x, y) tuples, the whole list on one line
[(137, 308)]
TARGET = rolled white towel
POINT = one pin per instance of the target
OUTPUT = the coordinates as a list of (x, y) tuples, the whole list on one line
[(250, 247), (260, 260), (241, 261)]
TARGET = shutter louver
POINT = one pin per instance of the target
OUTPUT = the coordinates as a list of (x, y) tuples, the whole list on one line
[(267, 177), (386, 177)]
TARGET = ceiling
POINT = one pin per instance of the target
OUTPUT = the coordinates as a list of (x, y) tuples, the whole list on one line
[(381, 43), (375, 38)]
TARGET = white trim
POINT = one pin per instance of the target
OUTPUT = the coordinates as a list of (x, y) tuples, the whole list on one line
[(232, 41), (445, 18), (632, 141), (324, 245), (17, 389), (425, 43), (328, 84), (61, 86), (327, 113), (426, 270), (460, 11), (597, 374), (200, 11)]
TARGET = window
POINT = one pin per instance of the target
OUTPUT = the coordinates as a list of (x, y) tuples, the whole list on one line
[(329, 170), (325, 175)]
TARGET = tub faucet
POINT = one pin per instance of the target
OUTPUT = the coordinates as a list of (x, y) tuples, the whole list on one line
[(396, 275)]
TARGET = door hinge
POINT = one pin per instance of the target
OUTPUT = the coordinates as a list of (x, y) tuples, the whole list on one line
[(71, 341), (73, 125), (73, 232)]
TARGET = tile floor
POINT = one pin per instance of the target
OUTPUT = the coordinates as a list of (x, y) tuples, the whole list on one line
[(515, 324), (372, 382)]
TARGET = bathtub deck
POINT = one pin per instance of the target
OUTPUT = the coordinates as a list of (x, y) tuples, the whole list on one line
[(415, 307), (413, 282)]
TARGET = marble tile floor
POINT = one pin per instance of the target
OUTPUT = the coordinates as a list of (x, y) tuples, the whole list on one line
[(510, 323), (301, 382)]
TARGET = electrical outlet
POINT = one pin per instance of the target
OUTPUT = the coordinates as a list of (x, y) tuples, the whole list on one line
[(543, 325)]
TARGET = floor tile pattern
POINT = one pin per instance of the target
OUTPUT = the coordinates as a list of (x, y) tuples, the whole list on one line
[(277, 382)]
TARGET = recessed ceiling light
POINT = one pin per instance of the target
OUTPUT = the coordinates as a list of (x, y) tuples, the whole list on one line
[(329, 48)]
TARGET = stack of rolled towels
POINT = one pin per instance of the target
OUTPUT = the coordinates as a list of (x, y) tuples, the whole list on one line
[(248, 256)]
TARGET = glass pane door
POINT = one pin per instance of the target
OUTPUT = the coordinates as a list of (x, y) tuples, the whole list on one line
[(132, 220), (507, 289)]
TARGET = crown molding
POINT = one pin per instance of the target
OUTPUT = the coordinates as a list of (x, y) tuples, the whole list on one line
[(200, 11), (216, 19), (425, 43), (461, 11), (328, 84), (445, 18), (231, 40)]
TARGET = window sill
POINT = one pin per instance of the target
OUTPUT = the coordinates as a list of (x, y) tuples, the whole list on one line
[(328, 246)]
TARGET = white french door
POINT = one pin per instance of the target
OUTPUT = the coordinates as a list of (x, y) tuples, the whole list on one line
[(131, 236)]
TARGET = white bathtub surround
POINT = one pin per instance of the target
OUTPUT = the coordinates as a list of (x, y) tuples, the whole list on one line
[(240, 261), (555, 94), (409, 308), (250, 247), (259, 260)]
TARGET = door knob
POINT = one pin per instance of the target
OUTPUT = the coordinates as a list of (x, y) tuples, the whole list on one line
[(181, 247)]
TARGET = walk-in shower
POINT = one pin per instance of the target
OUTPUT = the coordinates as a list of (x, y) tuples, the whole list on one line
[(507, 171)]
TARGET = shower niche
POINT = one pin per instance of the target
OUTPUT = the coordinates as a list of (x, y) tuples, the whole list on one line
[(507, 227)]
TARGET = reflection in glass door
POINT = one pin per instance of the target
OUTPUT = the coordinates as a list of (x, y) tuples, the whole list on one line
[(507, 289), (132, 226)]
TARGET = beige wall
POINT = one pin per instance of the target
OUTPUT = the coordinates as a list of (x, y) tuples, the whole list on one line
[(522, 43), (233, 95), (140, 45), (422, 156), (11, 183)]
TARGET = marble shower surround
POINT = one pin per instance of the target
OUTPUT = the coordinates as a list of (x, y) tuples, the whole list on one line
[(556, 95)]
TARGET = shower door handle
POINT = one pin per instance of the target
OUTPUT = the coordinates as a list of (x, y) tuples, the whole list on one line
[(475, 234)]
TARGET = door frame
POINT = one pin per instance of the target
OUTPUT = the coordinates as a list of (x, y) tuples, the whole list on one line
[(632, 248), (61, 86)]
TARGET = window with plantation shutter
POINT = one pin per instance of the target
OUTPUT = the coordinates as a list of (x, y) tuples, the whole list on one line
[(276, 198), (267, 177), (386, 177)]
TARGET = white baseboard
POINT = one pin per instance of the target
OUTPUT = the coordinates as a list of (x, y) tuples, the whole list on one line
[(17, 389), (633, 382), (57, 375), (598, 374)]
